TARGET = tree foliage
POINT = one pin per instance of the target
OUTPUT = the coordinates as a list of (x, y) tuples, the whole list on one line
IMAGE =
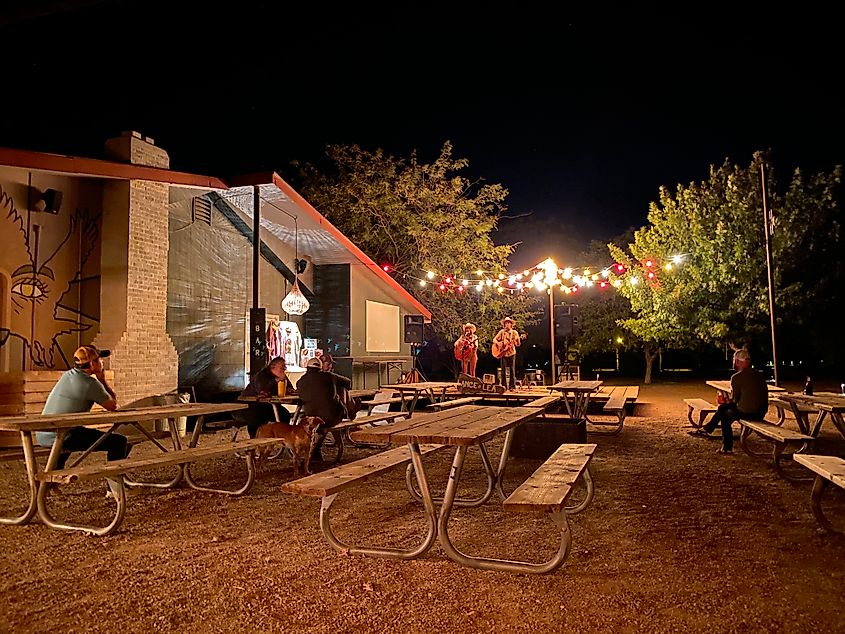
[(421, 217), (719, 293)]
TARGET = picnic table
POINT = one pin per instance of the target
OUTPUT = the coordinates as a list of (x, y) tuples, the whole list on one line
[(826, 403), (293, 399), (576, 396), (178, 455), (435, 390), (724, 387), (458, 428)]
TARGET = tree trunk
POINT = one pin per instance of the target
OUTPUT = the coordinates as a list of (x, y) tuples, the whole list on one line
[(650, 350)]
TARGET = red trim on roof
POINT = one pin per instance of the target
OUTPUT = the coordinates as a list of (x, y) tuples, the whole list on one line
[(279, 182), (78, 166)]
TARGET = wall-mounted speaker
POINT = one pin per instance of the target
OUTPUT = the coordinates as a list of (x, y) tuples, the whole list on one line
[(414, 325), (52, 201)]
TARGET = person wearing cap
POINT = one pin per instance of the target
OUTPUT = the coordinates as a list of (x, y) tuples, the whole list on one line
[(466, 349), (265, 384), (322, 394), (76, 391), (749, 400), (508, 340)]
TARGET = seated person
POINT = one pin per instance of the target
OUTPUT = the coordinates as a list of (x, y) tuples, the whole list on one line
[(322, 394), (265, 384), (76, 391), (749, 399)]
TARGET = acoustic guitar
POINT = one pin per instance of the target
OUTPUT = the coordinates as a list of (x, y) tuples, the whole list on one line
[(500, 348), (464, 349)]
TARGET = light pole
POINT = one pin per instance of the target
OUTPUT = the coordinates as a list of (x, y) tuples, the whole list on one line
[(552, 330), (548, 278)]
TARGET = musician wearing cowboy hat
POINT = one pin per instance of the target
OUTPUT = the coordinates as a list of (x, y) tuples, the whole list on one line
[(466, 349), (505, 343)]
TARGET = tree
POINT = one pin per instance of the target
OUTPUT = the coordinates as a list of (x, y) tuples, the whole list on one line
[(719, 291), (602, 309), (420, 217)]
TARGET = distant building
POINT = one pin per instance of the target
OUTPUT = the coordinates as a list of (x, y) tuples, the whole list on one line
[(156, 265)]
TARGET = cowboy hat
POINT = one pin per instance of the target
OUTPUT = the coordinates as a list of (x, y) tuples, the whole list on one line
[(470, 326), (510, 319)]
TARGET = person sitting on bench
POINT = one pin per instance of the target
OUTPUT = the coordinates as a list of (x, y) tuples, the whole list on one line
[(749, 400), (76, 391), (323, 395), (265, 384)]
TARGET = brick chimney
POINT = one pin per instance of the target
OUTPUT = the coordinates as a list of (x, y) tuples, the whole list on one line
[(133, 286)]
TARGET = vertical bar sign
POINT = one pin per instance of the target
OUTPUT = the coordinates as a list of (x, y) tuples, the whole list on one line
[(257, 340)]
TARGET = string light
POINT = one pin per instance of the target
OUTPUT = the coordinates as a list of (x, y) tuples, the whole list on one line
[(545, 275)]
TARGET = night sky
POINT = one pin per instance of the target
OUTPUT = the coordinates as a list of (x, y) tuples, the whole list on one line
[(582, 117)]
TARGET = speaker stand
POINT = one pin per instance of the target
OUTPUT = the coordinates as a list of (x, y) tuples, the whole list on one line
[(415, 375)]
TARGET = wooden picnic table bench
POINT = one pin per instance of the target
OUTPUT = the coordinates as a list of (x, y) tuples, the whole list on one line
[(467, 400), (393, 400), (828, 469), (115, 470), (781, 437), (62, 423), (551, 485), (544, 402), (340, 433), (614, 406), (703, 407), (328, 484)]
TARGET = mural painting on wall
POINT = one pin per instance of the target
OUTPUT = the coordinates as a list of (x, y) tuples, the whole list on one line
[(38, 316)]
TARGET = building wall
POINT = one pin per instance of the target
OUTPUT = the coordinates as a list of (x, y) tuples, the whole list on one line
[(49, 270), (364, 286), (209, 294)]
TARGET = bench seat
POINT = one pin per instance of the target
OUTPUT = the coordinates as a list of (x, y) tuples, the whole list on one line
[(703, 407), (114, 472), (370, 405), (467, 400), (548, 490), (544, 402), (181, 457), (549, 487), (781, 437), (828, 469), (328, 484), (614, 406)]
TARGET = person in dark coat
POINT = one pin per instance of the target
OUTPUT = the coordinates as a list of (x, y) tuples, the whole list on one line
[(322, 394), (265, 384)]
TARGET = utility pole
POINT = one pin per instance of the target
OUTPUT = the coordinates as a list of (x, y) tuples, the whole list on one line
[(769, 228)]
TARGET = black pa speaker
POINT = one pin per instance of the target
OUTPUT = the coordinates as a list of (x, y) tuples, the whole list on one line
[(414, 325), (566, 320), (52, 201)]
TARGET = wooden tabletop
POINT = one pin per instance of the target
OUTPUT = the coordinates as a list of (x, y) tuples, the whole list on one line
[(725, 386), (293, 399), (829, 401), (465, 425), (426, 385), (52, 422), (576, 386)]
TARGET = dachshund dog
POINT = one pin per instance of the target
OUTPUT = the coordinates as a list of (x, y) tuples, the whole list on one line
[(298, 438)]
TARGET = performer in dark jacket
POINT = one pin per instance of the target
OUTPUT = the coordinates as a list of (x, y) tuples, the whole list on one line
[(322, 394)]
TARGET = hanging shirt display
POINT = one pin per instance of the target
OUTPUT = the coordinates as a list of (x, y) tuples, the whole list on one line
[(291, 343)]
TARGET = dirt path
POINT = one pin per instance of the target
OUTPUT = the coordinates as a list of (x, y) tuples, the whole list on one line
[(678, 539)]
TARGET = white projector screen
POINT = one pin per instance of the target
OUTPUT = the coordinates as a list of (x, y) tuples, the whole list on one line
[(382, 327)]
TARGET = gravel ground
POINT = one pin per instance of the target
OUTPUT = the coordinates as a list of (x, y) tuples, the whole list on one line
[(677, 539)]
